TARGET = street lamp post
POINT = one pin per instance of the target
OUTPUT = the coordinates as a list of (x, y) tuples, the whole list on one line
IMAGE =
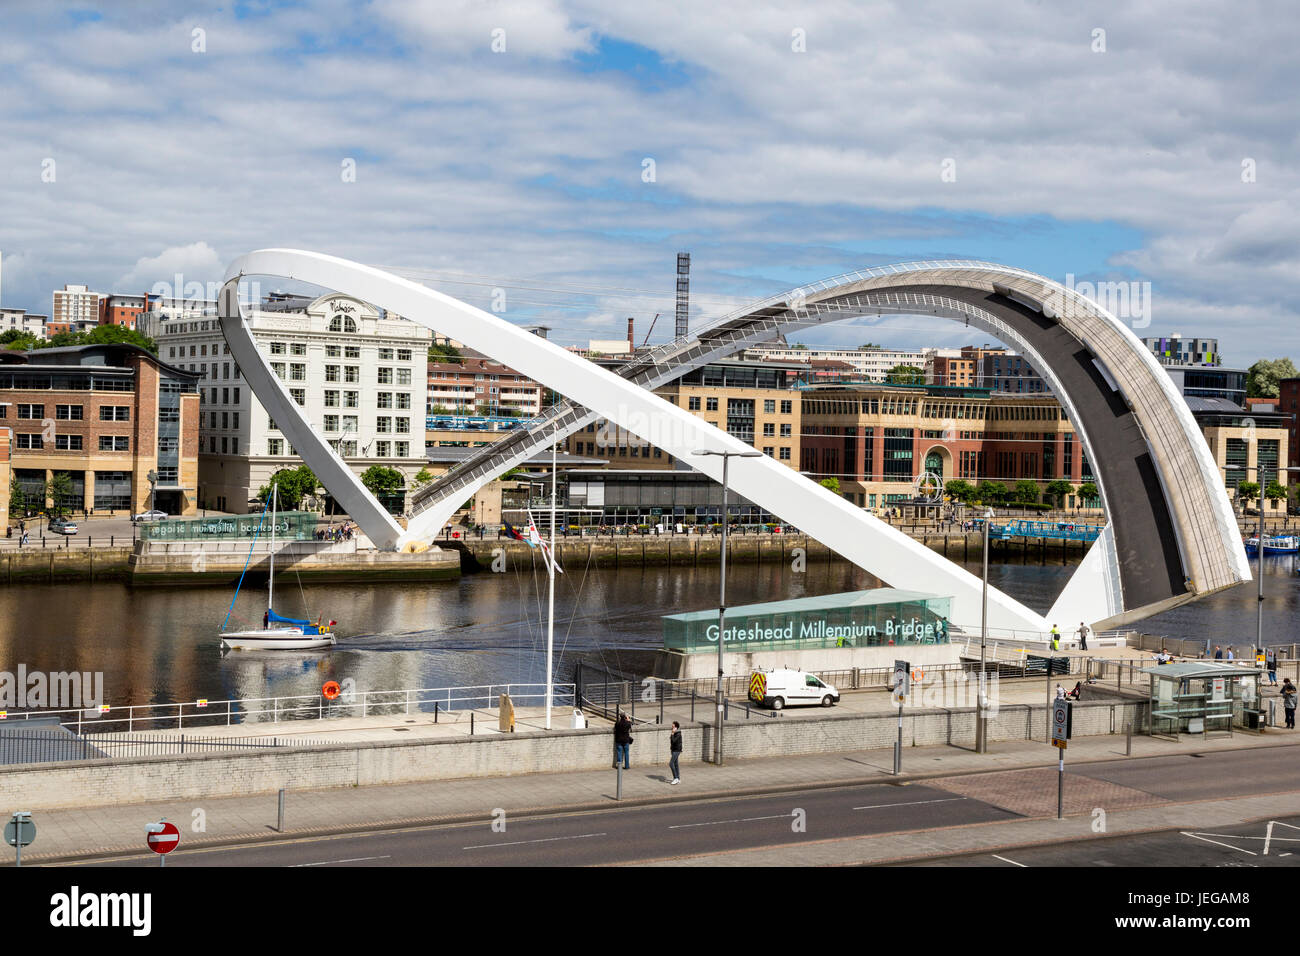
[(981, 719), (726, 457), (1259, 550)]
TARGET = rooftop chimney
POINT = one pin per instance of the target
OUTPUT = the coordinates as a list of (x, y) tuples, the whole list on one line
[(631, 339)]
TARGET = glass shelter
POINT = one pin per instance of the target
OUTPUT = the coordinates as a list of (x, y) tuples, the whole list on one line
[(1204, 697)]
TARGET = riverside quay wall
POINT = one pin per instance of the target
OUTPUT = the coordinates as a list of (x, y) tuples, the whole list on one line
[(94, 783), (602, 551), (176, 564)]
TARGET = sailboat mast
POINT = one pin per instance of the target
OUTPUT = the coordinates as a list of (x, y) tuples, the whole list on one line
[(270, 585)]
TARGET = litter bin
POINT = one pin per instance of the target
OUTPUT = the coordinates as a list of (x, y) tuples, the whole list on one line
[(1252, 719), (579, 720)]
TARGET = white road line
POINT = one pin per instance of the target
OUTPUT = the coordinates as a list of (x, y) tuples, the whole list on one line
[(1024, 866), (714, 823), (355, 859), (913, 803), (1217, 843), (490, 846)]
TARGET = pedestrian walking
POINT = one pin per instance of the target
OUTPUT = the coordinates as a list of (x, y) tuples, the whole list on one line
[(1228, 656), (1083, 636), (1218, 652), (1056, 638), (623, 741), (1289, 701), (1271, 664), (675, 752)]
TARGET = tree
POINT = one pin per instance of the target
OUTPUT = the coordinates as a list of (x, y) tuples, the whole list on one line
[(1089, 492), (382, 480), (960, 490), (439, 410), (99, 335), (1247, 491), (869, 347), (1026, 492), (292, 484), (905, 375), (422, 478), (444, 353), (800, 346), (991, 492), (1276, 491), (831, 484), (1262, 379), (19, 340), (17, 497), (1057, 490), (59, 490)]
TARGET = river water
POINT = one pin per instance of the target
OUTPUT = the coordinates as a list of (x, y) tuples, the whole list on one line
[(162, 645)]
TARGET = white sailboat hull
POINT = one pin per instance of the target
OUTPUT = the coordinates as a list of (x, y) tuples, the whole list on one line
[(275, 638)]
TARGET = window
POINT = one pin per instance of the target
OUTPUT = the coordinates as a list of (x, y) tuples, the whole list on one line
[(275, 446), (403, 355), (68, 413), (352, 351), (348, 449), (331, 373), (278, 369), (785, 430), (117, 443), (382, 449), (297, 372), (403, 376), (31, 411), (298, 348), (331, 423), (351, 399), (343, 323), (351, 373), (349, 423), (225, 419), (768, 450), (333, 351), (234, 420), (331, 399), (235, 396), (277, 348), (299, 395), (385, 355), (711, 405), (29, 441), (403, 399), (403, 426), (769, 430), (693, 403), (385, 376), (785, 453), (115, 413), (385, 399), (787, 407), (383, 424), (769, 405)]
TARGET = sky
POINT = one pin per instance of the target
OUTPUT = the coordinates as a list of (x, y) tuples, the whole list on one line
[(565, 152)]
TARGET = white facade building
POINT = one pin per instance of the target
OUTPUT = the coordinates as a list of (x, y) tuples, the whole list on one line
[(359, 374), (871, 364), (76, 308), (22, 321)]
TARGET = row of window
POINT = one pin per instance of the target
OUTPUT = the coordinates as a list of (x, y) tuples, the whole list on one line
[(348, 449), (73, 442), (229, 396), (71, 413), (769, 405)]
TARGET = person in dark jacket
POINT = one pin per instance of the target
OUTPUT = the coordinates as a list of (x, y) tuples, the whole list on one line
[(675, 752), (623, 741)]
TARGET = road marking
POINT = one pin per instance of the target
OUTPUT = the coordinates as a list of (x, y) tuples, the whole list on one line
[(489, 846), (1217, 843), (355, 859), (1012, 862), (913, 803), (714, 823)]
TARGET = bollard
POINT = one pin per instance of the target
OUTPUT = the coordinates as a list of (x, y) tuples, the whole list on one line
[(692, 706), (1128, 739), (618, 787), (435, 711), (279, 824), (471, 723)]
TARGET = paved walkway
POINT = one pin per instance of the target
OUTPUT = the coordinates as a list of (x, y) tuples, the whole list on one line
[(64, 834)]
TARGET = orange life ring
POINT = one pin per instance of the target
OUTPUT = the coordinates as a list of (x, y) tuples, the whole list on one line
[(331, 690)]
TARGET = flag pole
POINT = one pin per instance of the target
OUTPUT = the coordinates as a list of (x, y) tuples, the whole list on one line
[(550, 617)]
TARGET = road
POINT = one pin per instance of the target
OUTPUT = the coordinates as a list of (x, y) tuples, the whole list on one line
[(694, 827)]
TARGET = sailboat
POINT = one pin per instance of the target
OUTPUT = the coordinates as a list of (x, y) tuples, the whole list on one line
[(277, 632)]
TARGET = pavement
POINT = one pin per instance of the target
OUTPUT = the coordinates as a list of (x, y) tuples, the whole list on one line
[(107, 832)]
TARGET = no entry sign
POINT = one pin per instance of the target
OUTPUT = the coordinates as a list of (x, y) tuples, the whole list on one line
[(163, 837)]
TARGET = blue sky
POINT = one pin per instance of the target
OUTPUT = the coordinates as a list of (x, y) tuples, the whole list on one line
[(502, 144)]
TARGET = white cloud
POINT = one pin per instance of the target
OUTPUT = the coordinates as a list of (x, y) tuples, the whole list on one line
[(197, 262)]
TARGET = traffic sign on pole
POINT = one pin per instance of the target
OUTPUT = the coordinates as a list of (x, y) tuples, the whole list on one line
[(20, 831), (1061, 721), (162, 838)]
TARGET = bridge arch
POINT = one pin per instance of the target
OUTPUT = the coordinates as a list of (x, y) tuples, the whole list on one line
[(1172, 535)]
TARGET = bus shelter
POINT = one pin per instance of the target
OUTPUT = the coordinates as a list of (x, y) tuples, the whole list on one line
[(1204, 697)]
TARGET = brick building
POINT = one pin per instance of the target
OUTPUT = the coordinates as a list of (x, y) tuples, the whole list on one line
[(107, 416)]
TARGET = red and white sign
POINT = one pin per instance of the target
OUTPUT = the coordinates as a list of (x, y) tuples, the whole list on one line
[(163, 837)]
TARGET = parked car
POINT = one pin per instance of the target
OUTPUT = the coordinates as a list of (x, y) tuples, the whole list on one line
[(61, 526), (154, 515)]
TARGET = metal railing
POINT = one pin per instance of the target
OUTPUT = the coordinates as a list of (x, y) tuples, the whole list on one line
[(209, 713), (37, 747)]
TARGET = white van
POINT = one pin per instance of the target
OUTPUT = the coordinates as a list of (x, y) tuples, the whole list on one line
[(779, 688)]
